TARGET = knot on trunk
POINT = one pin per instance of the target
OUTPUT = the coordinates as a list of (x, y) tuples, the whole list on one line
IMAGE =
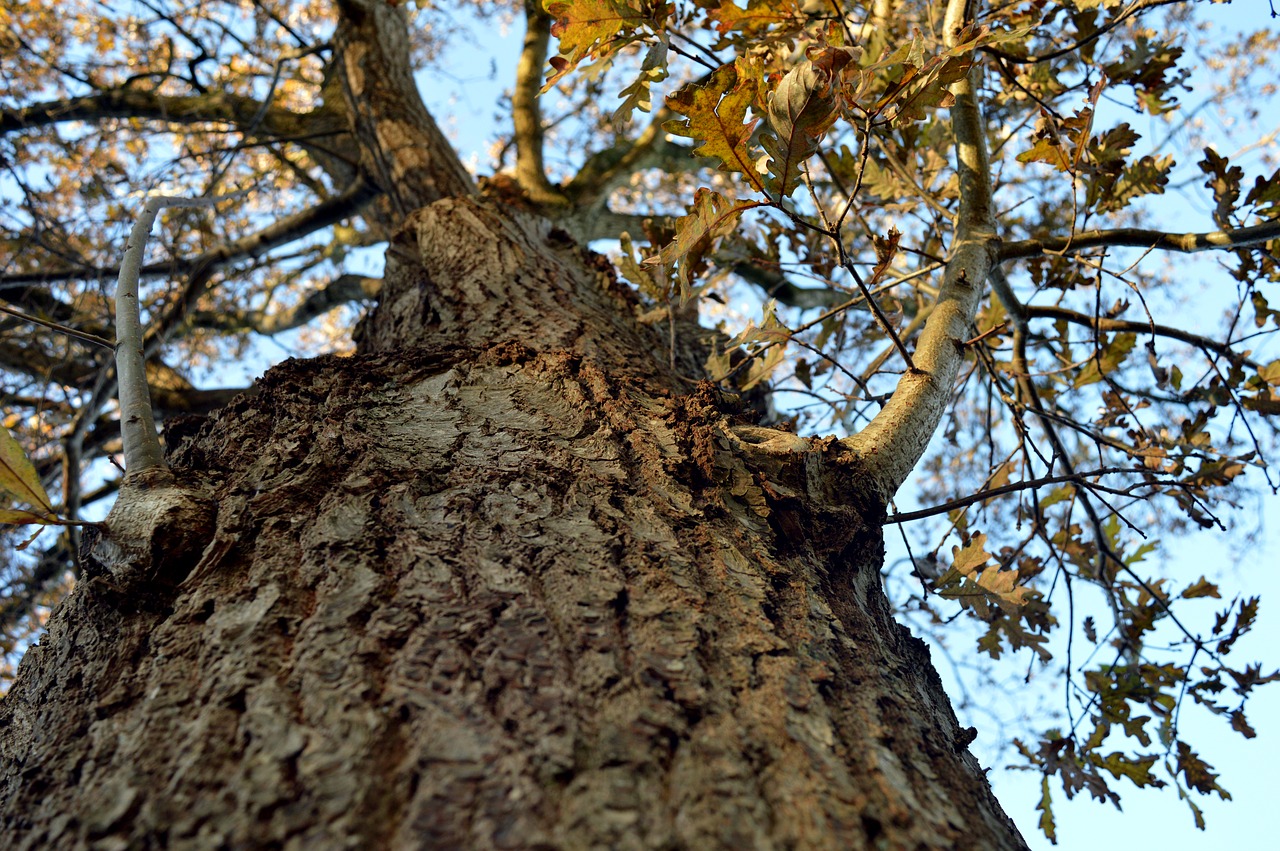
[(152, 538)]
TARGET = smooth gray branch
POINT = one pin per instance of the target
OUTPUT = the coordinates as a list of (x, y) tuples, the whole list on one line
[(137, 424)]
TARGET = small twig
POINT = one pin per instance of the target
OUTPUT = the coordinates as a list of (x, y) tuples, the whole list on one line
[(987, 333), (61, 329)]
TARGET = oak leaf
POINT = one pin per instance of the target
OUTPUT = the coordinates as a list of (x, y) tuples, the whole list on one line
[(715, 116), (801, 111), (597, 28), (710, 217)]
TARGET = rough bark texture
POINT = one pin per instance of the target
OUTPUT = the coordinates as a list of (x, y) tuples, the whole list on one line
[(500, 580)]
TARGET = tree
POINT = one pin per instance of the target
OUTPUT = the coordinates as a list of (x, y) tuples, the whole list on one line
[(527, 569)]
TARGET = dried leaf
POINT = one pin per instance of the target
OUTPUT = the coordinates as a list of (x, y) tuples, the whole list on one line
[(597, 29), (710, 217), (1201, 588), (801, 111), (715, 116)]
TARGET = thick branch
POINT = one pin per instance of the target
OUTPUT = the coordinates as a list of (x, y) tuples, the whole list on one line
[(239, 111), (401, 148), (778, 286), (142, 452), (526, 113), (215, 107), (203, 268), (894, 441), (1186, 243), (1016, 310)]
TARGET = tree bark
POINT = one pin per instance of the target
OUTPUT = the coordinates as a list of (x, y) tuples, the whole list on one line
[(503, 579), (510, 577)]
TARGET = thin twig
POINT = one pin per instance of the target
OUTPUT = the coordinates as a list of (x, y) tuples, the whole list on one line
[(61, 329)]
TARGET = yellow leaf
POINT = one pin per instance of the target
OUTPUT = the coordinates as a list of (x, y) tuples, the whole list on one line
[(595, 28), (972, 557), (18, 477), (715, 114)]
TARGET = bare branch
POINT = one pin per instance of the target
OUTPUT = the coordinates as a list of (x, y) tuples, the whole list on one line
[(1186, 243), (983, 496), (142, 451), (344, 289), (238, 111), (1101, 324), (284, 231), (350, 202), (93, 339), (526, 113)]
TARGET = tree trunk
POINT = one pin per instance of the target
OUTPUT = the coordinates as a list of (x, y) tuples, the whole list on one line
[(503, 579)]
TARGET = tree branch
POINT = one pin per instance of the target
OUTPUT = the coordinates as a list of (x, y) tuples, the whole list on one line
[(402, 149), (82, 336), (983, 496), (1101, 324), (777, 285), (605, 170), (142, 451), (894, 441), (240, 111), (526, 113), (1186, 243), (350, 202), (216, 107), (344, 289), (284, 231), (1121, 17)]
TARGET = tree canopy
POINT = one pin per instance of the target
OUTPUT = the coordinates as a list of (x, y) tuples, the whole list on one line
[(950, 230)]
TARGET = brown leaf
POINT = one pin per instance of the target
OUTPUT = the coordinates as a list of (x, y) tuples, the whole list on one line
[(711, 216), (801, 111)]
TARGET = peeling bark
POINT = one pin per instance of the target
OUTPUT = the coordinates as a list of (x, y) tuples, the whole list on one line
[(502, 579)]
